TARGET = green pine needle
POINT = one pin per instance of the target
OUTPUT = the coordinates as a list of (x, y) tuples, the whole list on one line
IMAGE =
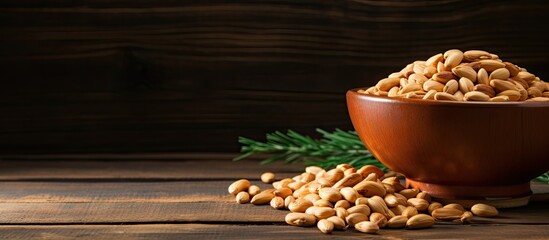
[(332, 149)]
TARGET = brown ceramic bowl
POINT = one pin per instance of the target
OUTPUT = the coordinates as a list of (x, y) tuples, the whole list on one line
[(457, 150)]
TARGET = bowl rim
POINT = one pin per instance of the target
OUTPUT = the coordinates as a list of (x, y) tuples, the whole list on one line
[(375, 98)]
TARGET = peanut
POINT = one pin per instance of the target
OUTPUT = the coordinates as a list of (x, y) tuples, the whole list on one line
[(420, 221), (484, 210), (267, 177), (242, 197), (367, 227), (239, 186), (300, 219), (325, 226), (339, 224)]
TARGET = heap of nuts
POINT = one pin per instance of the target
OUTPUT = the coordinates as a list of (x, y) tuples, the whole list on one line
[(365, 199), (473, 75)]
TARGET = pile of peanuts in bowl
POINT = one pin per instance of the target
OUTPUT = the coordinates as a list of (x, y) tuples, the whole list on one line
[(473, 75)]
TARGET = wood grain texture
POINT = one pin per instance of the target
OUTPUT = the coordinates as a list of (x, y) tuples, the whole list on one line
[(196, 212), (144, 212), (141, 76), (205, 169), (98, 204), (117, 191), (227, 231), (109, 192)]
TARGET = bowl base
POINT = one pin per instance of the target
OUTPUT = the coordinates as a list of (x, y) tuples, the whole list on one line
[(499, 196), (498, 203)]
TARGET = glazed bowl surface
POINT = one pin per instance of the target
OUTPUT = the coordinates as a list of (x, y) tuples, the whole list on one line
[(456, 150)]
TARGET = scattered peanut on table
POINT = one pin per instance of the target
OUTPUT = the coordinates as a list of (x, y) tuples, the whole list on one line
[(365, 199), (473, 75)]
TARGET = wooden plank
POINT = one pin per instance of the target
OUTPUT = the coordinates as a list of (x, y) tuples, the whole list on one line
[(195, 212), (228, 231), (139, 76), (157, 191), (225, 169), (17, 169), (58, 213), (122, 192)]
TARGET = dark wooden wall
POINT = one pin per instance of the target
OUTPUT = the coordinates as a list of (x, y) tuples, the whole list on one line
[(166, 75)]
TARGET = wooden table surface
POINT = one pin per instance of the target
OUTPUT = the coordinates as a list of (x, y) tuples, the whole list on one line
[(184, 196)]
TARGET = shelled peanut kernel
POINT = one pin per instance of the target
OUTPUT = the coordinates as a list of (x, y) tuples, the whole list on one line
[(473, 75)]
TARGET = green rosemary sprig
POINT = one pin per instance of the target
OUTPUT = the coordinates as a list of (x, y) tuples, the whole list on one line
[(334, 148), (543, 178)]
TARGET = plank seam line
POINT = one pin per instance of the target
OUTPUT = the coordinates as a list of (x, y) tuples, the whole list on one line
[(279, 223), (122, 180), (256, 223)]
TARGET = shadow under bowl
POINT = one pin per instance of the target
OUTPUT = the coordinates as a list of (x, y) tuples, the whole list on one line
[(457, 150)]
